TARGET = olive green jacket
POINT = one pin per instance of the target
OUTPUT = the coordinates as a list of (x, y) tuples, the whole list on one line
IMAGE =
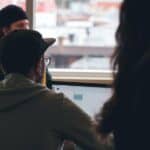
[(32, 117)]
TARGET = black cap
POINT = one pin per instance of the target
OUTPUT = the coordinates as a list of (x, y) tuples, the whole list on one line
[(23, 45), (11, 14)]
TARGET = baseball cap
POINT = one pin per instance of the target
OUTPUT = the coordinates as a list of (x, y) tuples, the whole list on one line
[(11, 14), (23, 46)]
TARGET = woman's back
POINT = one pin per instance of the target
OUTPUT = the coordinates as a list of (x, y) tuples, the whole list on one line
[(126, 113)]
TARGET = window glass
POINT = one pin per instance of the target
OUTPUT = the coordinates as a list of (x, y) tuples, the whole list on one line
[(20, 3), (84, 29)]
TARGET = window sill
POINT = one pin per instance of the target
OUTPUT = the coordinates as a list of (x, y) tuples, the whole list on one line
[(82, 76)]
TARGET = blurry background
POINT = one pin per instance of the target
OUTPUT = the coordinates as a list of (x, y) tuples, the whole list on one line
[(84, 30)]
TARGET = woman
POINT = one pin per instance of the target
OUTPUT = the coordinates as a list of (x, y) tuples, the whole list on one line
[(126, 114)]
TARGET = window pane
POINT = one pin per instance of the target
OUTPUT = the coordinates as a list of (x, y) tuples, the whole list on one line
[(85, 31), (20, 3)]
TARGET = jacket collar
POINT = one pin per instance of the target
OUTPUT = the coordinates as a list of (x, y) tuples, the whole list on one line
[(17, 80)]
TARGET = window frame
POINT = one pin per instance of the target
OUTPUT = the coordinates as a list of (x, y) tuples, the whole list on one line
[(75, 75)]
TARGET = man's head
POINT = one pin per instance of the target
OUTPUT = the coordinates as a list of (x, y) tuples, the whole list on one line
[(13, 18), (22, 51)]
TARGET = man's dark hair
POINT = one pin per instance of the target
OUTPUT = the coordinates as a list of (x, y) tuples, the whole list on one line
[(21, 50)]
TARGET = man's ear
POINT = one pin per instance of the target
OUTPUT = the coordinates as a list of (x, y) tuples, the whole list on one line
[(39, 70), (38, 67)]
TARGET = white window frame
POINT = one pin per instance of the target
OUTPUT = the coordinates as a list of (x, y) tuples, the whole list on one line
[(73, 75)]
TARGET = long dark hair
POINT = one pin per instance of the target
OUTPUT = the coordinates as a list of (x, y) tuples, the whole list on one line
[(133, 41)]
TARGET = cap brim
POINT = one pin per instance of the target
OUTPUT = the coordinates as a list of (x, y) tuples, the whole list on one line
[(50, 41)]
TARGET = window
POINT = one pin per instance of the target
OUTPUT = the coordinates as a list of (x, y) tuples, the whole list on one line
[(20, 3), (84, 30)]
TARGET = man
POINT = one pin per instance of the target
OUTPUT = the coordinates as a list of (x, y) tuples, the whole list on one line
[(32, 117), (13, 18)]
